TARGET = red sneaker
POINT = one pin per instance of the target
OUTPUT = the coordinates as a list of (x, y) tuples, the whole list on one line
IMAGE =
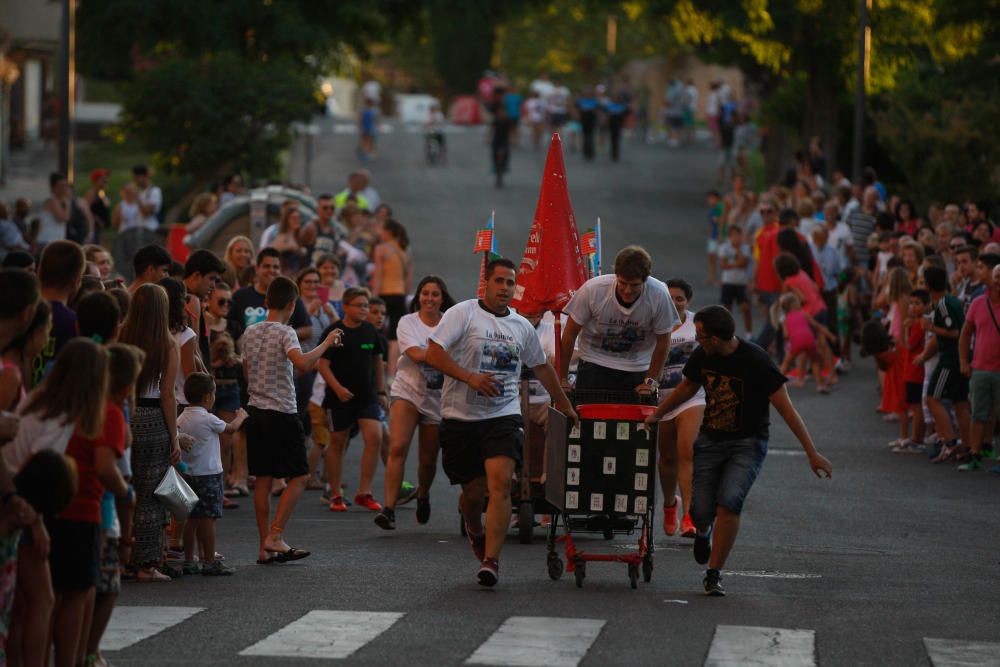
[(337, 504), (367, 501), (670, 517), (687, 526)]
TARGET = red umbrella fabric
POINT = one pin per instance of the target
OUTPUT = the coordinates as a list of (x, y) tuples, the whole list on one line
[(552, 268)]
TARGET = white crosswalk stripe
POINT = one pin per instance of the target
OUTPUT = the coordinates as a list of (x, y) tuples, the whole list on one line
[(325, 634), (957, 653), (738, 645), (130, 625), (531, 641)]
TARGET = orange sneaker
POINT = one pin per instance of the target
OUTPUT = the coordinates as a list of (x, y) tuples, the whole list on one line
[(337, 504), (367, 501), (687, 526), (670, 517)]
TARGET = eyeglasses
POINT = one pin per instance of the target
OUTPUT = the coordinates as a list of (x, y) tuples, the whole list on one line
[(362, 305), (956, 246), (223, 302), (310, 281), (767, 210)]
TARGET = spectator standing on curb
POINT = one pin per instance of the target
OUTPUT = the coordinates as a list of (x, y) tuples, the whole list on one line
[(983, 323)]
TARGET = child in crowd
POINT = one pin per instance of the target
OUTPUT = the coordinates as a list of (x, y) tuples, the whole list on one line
[(715, 210), (275, 439), (895, 298), (848, 313), (377, 310), (913, 372), (801, 332), (734, 260), (204, 473), (17, 357)]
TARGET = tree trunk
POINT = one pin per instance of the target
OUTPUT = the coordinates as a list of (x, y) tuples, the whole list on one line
[(820, 112)]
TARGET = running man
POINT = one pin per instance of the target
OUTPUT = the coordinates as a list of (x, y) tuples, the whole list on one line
[(482, 345), (741, 383)]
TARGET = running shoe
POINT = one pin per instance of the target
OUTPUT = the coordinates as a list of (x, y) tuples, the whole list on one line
[(932, 449), (337, 504), (217, 569), (175, 553), (973, 465), (423, 510), (670, 517), (478, 543), (687, 526), (325, 497), (987, 452), (489, 572), (386, 519), (713, 583), (191, 567), (702, 547), (407, 492), (367, 501)]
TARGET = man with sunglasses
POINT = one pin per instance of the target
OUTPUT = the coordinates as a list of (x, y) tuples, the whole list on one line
[(326, 232), (765, 280), (741, 383), (623, 322)]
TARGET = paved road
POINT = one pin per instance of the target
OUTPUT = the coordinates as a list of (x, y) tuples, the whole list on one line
[(870, 567)]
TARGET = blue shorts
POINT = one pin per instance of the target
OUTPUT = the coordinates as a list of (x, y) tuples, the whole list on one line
[(209, 490), (227, 397), (723, 474)]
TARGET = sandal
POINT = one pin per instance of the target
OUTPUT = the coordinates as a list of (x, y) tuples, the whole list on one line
[(290, 555), (237, 491), (150, 575)]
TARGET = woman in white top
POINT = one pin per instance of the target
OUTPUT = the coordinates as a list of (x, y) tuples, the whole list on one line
[(183, 335), (416, 400), (126, 214), (679, 428)]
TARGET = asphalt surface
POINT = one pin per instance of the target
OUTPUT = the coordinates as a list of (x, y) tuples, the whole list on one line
[(888, 552)]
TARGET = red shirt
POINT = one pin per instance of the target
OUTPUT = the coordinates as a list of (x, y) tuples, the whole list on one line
[(915, 336), (86, 504), (767, 250)]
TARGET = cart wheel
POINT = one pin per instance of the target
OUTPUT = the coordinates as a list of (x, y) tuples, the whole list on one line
[(633, 575), (555, 568), (525, 522), (581, 573), (647, 569), (609, 533)]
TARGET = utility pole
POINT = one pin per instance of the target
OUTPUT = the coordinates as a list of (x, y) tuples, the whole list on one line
[(864, 58), (67, 89)]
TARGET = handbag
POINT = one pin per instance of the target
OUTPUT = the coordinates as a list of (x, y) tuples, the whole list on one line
[(175, 494)]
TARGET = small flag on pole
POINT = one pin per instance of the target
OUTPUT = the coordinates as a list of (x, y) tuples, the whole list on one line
[(588, 242), (484, 237), (597, 255)]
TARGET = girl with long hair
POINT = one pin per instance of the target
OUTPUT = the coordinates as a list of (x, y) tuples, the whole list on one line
[(154, 423), (416, 401), (238, 259)]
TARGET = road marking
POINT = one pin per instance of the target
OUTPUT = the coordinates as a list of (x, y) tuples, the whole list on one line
[(766, 574), (735, 645), (130, 625), (538, 641), (677, 601), (958, 653), (786, 452), (325, 634)]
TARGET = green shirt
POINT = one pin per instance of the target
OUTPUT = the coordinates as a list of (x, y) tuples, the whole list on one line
[(948, 314)]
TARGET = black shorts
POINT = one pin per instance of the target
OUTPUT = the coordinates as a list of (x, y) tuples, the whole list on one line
[(465, 446), (75, 555), (733, 294), (592, 377), (948, 384), (275, 444), (395, 308), (345, 415), (914, 393)]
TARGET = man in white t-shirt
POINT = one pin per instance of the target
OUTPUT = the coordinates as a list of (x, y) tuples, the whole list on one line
[(623, 322), (557, 105), (480, 346), (150, 197)]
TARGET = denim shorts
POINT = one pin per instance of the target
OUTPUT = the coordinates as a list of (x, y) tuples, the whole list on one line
[(723, 474)]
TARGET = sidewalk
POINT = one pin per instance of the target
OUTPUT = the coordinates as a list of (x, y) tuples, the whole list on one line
[(28, 173)]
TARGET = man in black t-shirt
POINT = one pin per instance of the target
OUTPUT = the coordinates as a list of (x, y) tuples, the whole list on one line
[(248, 305), (355, 393), (741, 383)]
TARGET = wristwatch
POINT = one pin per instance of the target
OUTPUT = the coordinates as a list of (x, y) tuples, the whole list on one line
[(652, 383)]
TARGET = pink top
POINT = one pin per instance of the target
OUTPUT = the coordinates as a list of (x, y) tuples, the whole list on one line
[(800, 334), (986, 351), (804, 285), (21, 392)]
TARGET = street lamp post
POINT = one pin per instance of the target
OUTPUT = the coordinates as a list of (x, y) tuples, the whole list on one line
[(67, 89), (864, 55)]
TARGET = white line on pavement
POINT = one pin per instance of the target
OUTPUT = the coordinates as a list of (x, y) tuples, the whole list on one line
[(766, 574), (538, 641), (739, 645), (130, 625), (786, 452), (958, 653), (325, 634)]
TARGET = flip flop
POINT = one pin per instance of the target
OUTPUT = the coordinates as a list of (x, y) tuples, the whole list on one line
[(290, 555), (267, 561), (237, 492)]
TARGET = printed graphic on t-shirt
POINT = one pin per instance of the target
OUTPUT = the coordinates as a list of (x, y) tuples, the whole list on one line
[(724, 402), (673, 370), (620, 339), (433, 377), (500, 358), (253, 315)]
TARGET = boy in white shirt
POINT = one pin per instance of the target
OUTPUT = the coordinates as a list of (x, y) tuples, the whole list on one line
[(274, 434), (204, 473), (734, 259)]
